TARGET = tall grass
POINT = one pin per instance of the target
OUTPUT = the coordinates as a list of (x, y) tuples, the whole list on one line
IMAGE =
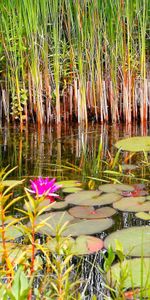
[(66, 60)]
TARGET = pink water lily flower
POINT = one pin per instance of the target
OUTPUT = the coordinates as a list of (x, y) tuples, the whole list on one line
[(45, 186)]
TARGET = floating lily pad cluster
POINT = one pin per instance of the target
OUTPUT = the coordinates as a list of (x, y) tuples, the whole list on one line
[(87, 212), (90, 214), (100, 206), (91, 210), (74, 226)]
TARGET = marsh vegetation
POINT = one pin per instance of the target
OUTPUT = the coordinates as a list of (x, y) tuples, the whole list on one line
[(74, 60)]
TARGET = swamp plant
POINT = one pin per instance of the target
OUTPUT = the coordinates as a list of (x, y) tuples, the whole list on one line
[(42, 266), (20, 263), (55, 64)]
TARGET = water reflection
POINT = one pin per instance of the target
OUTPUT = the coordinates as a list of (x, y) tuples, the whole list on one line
[(44, 151)]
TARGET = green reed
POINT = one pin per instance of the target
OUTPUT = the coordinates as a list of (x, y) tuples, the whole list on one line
[(84, 59)]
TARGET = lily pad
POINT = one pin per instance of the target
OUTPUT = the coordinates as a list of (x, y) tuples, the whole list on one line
[(14, 251), (139, 186), (69, 183), (51, 221), (114, 188), (143, 216), (132, 204), (135, 193), (139, 190), (82, 245), (65, 244), (59, 205), (138, 274), (135, 240), (8, 220), (72, 226), (72, 189), (86, 245), (17, 253), (11, 233), (85, 212), (91, 198), (12, 182), (134, 144), (50, 206), (82, 227)]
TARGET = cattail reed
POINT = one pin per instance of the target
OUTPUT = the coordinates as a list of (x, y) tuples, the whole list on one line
[(74, 61)]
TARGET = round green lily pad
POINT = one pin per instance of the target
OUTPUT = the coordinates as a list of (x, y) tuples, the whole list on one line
[(135, 240), (85, 212), (16, 253), (91, 198), (132, 204), (50, 206), (59, 205), (69, 183), (72, 189), (11, 233), (114, 188), (143, 216), (51, 221), (65, 245), (79, 197), (82, 227), (134, 144), (138, 274), (85, 244), (73, 227), (8, 220), (82, 245)]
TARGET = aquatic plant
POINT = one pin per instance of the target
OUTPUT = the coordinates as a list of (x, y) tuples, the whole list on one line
[(7, 224), (133, 244), (45, 187), (63, 234), (56, 65), (134, 144), (127, 278)]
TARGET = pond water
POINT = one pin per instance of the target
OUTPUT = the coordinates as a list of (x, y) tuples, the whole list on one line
[(44, 151), (69, 152)]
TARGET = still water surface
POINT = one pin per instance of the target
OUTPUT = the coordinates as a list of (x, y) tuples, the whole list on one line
[(59, 152), (47, 151)]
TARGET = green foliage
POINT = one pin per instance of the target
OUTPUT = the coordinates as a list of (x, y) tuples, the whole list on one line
[(20, 286), (28, 259), (49, 48), (21, 263), (126, 278)]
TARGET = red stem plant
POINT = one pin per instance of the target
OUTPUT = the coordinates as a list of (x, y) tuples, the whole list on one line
[(6, 221)]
